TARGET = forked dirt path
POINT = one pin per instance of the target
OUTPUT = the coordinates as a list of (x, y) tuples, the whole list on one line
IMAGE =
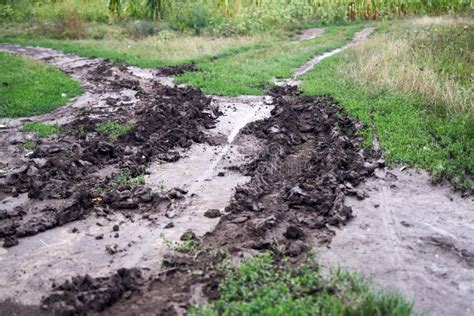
[(405, 222)]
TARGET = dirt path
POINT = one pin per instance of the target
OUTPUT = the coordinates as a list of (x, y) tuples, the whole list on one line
[(411, 236), (252, 183)]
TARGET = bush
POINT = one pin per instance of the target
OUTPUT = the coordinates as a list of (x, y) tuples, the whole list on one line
[(194, 16)]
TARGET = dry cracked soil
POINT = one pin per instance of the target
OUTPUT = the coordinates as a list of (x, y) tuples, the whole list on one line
[(285, 173)]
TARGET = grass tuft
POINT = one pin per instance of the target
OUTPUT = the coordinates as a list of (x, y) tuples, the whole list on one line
[(40, 129), (113, 129), (259, 286)]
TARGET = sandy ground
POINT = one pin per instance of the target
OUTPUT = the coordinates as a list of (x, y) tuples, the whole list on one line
[(413, 237)]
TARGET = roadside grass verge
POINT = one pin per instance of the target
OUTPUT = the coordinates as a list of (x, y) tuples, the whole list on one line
[(259, 286), (167, 49), (40, 129), (252, 72), (28, 87), (415, 118)]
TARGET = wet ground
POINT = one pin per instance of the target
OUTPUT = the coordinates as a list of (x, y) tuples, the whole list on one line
[(282, 172)]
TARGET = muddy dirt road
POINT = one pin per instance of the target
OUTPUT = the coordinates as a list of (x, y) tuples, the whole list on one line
[(237, 175)]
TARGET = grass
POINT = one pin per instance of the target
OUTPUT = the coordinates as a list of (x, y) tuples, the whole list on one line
[(40, 129), (113, 129), (252, 72), (29, 88), (28, 146), (261, 287), (414, 128), (125, 177), (152, 51)]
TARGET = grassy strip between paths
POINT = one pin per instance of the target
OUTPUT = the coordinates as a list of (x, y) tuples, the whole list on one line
[(152, 51), (29, 88), (408, 132), (252, 72), (260, 287)]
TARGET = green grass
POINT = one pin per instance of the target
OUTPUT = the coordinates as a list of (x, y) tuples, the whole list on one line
[(408, 131), (125, 177), (29, 88), (252, 72), (150, 52), (41, 129), (113, 129), (259, 287)]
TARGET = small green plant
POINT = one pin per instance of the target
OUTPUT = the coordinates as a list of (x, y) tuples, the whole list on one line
[(125, 177), (41, 129), (114, 129), (28, 146)]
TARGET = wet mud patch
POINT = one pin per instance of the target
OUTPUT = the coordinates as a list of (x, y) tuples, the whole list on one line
[(311, 158), (60, 181), (83, 295)]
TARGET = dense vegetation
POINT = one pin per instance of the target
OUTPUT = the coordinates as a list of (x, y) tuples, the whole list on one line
[(414, 88), (224, 17)]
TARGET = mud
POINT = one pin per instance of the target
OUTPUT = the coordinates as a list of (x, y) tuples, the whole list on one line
[(310, 158), (417, 238)]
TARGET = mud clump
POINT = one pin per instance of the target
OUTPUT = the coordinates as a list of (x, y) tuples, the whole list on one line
[(312, 158), (84, 294)]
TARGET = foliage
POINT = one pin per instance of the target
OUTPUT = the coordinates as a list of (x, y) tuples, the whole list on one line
[(114, 129), (29, 88), (41, 129), (260, 286)]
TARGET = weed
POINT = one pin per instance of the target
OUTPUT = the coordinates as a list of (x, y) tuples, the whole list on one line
[(162, 185), (41, 129), (410, 130), (113, 129), (28, 146), (125, 177)]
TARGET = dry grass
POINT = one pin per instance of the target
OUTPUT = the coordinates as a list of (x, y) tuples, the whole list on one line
[(401, 62)]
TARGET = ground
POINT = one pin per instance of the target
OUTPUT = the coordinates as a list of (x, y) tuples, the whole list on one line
[(140, 196)]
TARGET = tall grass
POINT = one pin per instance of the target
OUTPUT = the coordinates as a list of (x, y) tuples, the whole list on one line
[(228, 16)]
